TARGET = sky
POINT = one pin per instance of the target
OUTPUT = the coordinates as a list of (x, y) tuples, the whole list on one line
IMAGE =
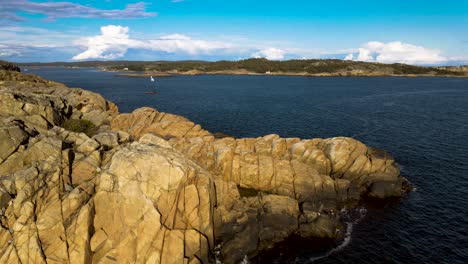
[(429, 32)]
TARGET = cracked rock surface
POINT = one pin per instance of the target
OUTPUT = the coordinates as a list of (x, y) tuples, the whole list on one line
[(152, 187)]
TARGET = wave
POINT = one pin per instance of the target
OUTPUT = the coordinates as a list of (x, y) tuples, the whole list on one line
[(350, 217)]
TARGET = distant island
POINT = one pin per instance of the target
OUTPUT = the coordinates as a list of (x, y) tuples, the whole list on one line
[(329, 67)]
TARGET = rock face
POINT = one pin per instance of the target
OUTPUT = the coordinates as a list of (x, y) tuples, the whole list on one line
[(152, 187)]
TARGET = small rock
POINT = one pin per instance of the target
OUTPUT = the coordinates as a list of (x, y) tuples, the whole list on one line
[(108, 139), (68, 188), (79, 138), (88, 146), (123, 136), (76, 114), (151, 139)]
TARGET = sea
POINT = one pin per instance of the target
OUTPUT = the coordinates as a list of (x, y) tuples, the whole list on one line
[(422, 122)]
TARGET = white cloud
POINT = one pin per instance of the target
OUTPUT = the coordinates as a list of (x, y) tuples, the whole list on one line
[(270, 54), (14, 36), (397, 52), (32, 52), (114, 42), (365, 55), (349, 57), (6, 51), (52, 10)]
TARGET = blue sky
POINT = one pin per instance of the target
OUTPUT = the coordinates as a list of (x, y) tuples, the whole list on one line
[(426, 32)]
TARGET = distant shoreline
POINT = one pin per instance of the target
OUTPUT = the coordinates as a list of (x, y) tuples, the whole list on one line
[(147, 74), (263, 67), (292, 74)]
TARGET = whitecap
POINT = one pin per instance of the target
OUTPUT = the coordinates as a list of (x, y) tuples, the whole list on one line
[(245, 260), (350, 217)]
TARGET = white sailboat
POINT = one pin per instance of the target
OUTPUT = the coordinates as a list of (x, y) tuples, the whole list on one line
[(152, 91)]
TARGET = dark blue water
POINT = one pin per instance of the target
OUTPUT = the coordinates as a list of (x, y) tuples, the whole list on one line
[(423, 122)]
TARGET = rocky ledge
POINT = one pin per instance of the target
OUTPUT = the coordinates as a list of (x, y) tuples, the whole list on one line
[(4, 65), (152, 187)]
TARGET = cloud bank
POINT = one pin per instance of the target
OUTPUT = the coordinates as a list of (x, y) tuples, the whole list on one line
[(7, 51), (396, 52), (115, 41), (54, 10), (270, 54)]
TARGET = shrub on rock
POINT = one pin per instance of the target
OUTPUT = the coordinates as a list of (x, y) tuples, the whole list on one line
[(79, 126)]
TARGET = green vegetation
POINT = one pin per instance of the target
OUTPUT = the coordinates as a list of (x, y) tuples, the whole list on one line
[(409, 69), (336, 67), (291, 66), (80, 126), (136, 67)]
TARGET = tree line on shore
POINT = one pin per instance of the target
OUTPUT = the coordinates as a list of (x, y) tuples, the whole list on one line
[(258, 65)]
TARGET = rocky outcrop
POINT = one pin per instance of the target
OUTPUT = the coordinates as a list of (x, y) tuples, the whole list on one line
[(306, 170), (7, 66), (308, 181), (148, 120), (155, 187)]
